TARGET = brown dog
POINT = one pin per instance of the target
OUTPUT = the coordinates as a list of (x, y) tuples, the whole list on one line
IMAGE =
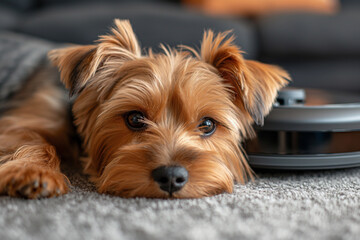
[(157, 125)]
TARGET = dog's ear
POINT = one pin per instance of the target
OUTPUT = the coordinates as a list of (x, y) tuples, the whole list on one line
[(255, 84), (78, 64), (75, 65)]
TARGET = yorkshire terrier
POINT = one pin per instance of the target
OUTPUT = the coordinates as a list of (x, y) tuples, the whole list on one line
[(160, 125)]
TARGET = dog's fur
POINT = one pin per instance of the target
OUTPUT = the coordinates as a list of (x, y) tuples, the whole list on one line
[(175, 90)]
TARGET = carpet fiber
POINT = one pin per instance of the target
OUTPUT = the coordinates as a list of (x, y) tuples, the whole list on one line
[(278, 205)]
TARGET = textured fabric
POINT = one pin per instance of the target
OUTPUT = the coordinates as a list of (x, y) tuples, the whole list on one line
[(152, 23), (279, 205), (312, 35), (19, 58)]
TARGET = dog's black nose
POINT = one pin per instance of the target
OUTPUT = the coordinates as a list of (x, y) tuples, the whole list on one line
[(170, 178)]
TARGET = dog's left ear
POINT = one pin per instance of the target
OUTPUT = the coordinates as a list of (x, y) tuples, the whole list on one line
[(78, 64), (255, 84)]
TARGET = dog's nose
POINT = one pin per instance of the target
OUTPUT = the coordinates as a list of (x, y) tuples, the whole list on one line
[(170, 178)]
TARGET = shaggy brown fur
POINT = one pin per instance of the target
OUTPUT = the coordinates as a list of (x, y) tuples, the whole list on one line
[(175, 90)]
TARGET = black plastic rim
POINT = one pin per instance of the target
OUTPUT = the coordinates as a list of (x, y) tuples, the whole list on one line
[(303, 143), (308, 129)]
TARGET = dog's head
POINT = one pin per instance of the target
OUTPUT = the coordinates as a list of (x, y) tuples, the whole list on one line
[(166, 124)]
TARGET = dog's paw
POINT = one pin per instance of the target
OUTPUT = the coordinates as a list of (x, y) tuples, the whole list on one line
[(31, 181)]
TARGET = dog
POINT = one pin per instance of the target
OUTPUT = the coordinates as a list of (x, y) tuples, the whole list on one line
[(155, 125)]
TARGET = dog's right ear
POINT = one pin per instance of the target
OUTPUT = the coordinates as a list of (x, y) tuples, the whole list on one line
[(78, 64), (75, 64)]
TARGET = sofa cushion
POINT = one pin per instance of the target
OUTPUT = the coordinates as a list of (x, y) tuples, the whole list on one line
[(20, 5), (306, 34), (153, 24), (61, 2), (336, 74), (349, 3), (8, 18)]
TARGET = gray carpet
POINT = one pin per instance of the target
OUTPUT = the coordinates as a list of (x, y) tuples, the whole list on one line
[(278, 205)]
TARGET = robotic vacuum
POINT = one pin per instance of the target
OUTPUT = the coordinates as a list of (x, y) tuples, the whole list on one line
[(308, 129)]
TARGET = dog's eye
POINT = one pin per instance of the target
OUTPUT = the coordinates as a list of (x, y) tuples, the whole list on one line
[(135, 120), (207, 126)]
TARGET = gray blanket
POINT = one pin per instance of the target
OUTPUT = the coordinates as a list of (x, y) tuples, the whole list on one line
[(19, 58), (278, 205)]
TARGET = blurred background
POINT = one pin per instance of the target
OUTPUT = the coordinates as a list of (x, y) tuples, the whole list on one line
[(316, 41)]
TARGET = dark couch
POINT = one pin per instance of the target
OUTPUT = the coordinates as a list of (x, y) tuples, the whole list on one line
[(318, 50)]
